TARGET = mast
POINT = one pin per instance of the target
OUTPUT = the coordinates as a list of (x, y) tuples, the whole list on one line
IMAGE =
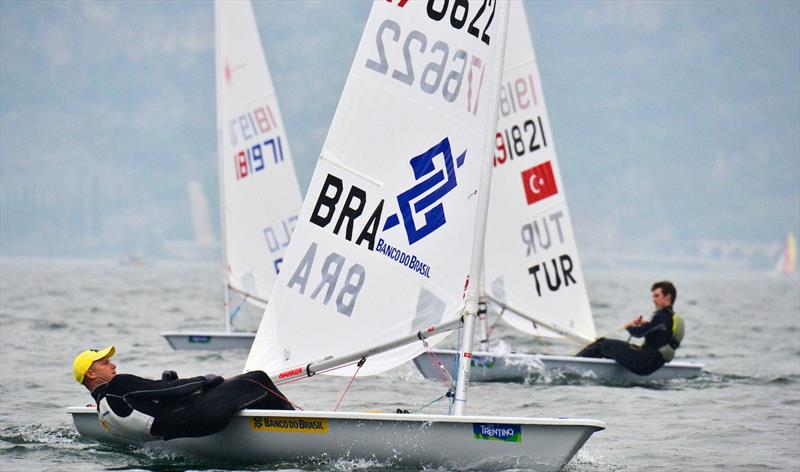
[(220, 169), (473, 290)]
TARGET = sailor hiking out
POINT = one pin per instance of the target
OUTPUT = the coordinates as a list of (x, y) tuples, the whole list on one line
[(662, 336), (141, 409)]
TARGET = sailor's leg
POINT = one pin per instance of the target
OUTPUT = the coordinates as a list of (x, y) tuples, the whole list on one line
[(637, 360), (210, 411), (190, 418), (269, 398), (592, 350)]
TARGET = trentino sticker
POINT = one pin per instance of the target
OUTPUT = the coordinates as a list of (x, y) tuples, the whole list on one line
[(289, 425), (497, 432)]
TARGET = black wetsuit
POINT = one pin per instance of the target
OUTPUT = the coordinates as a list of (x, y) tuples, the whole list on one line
[(642, 360), (191, 407)]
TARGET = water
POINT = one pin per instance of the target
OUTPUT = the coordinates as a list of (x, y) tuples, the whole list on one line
[(742, 414)]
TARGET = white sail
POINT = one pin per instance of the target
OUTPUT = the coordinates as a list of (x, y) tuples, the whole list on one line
[(381, 248), (531, 260), (259, 191)]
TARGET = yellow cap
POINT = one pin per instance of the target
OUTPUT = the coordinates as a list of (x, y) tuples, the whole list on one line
[(84, 360)]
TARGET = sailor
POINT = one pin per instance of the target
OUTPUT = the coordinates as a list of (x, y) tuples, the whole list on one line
[(662, 336), (140, 409)]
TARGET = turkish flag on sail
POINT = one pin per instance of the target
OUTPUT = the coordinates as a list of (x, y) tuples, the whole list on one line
[(539, 182)]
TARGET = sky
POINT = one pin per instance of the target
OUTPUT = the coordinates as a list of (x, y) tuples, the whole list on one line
[(677, 124)]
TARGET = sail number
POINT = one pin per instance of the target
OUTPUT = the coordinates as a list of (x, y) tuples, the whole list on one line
[(517, 94), (433, 75), (459, 15), (519, 140), (251, 159)]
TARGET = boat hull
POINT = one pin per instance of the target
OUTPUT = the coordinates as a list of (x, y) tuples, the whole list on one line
[(266, 436), (517, 367), (209, 341)]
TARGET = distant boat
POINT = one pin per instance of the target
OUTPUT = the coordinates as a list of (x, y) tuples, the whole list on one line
[(787, 260), (134, 259), (531, 265), (260, 196)]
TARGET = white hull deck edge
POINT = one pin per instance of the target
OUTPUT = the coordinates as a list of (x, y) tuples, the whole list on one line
[(520, 367), (483, 443), (209, 341)]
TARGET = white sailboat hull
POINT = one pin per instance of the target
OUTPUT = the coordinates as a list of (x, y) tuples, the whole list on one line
[(209, 341), (388, 439), (518, 367)]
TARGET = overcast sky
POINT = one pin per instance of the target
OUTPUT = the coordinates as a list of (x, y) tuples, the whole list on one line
[(675, 122)]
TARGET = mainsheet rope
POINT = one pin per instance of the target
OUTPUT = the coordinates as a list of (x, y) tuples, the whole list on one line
[(360, 363), (455, 369), (269, 390), (443, 373), (350, 383)]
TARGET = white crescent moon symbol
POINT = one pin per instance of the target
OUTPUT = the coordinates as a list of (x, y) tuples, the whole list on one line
[(533, 180)]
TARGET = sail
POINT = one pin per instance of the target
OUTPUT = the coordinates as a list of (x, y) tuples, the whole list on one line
[(258, 187), (787, 261), (382, 245), (530, 258)]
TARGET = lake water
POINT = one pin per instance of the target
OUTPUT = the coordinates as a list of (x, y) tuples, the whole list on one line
[(743, 413)]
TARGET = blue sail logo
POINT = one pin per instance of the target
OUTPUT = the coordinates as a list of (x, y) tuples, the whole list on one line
[(432, 185)]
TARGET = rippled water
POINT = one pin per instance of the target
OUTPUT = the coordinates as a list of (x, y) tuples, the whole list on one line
[(743, 413)]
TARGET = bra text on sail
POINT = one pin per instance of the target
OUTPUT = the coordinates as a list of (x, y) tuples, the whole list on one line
[(329, 274), (350, 213)]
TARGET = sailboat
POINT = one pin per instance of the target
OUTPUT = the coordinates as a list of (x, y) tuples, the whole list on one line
[(260, 196), (787, 260), (383, 253), (532, 269)]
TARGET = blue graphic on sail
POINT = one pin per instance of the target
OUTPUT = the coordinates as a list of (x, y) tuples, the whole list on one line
[(441, 181)]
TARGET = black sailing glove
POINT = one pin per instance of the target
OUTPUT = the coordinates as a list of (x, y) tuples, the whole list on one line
[(212, 380), (169, 375)]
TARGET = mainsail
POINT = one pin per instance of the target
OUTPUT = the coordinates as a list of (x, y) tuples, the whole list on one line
[(382, 245), (258, 187), (531, 263)]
